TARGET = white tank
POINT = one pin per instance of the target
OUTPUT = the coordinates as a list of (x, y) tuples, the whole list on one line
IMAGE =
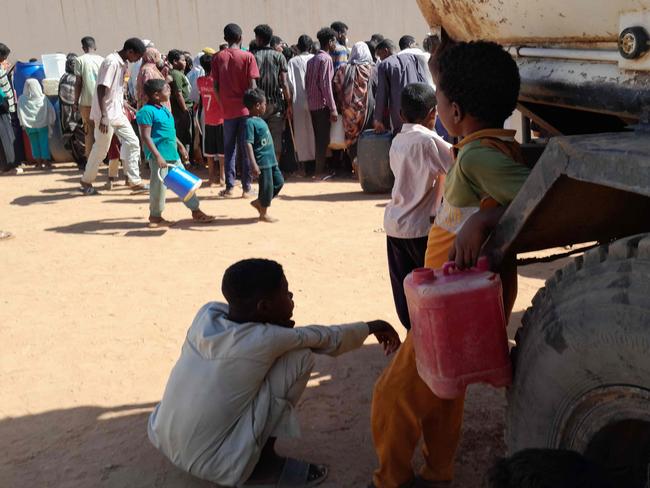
[(540, 22), (591, 55)]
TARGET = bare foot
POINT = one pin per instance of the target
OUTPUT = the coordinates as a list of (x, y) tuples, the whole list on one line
[(257, 205), (267, 218)]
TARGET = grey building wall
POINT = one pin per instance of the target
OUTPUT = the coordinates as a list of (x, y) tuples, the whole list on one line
[(34, 27)]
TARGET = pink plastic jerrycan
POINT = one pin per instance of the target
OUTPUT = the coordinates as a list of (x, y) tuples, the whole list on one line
[(459, 328)]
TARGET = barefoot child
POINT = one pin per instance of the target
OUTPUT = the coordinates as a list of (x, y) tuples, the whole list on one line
[(241, 372), (478, 86), (161, 149), (261, 153), (213, 122)]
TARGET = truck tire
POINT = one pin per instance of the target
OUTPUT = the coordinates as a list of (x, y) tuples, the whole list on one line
[(582, 361)]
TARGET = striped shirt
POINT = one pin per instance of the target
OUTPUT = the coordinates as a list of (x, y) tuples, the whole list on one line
[(6, 88), (270, 64), (339, 56), (318, 82)]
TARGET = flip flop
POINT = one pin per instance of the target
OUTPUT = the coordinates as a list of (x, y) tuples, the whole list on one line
[(295, 474), (139, 188), (204, 219)]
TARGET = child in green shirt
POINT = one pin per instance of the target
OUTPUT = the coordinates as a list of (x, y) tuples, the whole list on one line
[(477, 89), (261, 154), (161, 149)]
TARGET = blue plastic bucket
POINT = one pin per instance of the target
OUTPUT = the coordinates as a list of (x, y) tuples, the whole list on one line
[(24, 71), (181, 182)]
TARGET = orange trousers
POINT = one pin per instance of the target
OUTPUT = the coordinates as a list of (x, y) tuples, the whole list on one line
[(405, 409)]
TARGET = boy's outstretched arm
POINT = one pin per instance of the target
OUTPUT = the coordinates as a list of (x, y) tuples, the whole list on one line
[(385, 334), (470, 239)]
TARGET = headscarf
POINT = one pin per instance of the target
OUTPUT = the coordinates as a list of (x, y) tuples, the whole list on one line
[(195, 73), (148, 71), (360, 54), (34, 109), (352, 92)]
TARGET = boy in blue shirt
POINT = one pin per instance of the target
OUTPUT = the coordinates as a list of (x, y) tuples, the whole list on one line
[(261, 153), (161, 149)]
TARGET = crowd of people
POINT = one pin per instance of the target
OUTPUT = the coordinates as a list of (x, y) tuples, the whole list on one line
[(308, 87), (244, 366)]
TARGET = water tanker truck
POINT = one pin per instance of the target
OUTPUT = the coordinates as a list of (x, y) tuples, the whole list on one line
[(582, 354)]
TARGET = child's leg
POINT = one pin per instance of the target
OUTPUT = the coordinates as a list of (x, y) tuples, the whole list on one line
[(211, 176), (222, 169), (403, 409), (32, 134), (278, 181), (193, 203), (265, 193), (156, 191), (404, 255), (287, 380), (43, 138)]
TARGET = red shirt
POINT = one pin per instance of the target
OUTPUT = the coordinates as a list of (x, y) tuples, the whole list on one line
[(211, 107), (233, 69)]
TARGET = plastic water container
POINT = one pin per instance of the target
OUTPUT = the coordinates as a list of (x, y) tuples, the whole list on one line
[(54, 65), (23, 71), (337, 135), (373, 162), (181, 182), (51, 87), (459, 328)]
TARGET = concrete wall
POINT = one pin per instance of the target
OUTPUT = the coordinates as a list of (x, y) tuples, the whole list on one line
[(34, 27)]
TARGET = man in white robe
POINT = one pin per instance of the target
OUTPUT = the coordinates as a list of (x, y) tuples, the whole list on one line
[(301, 123), (242, 370)]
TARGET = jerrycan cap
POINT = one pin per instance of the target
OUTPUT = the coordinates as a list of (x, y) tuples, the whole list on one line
[(423, 275)]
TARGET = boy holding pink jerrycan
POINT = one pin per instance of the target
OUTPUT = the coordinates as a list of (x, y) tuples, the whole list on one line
[(161, 149)]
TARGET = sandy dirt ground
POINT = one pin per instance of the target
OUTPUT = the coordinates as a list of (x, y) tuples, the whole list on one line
[(94, 309)]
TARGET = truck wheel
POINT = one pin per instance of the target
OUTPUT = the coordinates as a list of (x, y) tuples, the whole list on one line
[(582, 362), (633, 42)]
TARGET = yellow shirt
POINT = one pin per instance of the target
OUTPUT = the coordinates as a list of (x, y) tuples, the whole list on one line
[(488, 166)]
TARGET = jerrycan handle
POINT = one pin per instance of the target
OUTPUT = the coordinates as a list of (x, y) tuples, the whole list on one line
[(482, 265), (447, 267)]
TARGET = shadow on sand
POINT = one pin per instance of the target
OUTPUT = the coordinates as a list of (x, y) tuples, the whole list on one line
[(108, 446), (138, 227)]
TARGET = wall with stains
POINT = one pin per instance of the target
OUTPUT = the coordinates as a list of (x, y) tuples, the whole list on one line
[(33, 27)]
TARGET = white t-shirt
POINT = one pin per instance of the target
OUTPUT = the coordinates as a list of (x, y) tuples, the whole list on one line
[(112, 74), (417, 157)]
